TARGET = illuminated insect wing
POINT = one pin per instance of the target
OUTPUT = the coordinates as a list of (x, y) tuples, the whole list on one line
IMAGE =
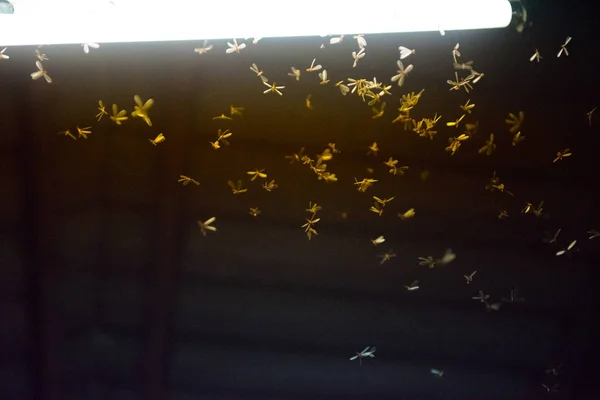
[(102, 110), (413, 286), (313, 67), (159, 139), (407, 214), (360, 39), (536, 56), (455, 52), (86, 46), (41, 72), (563, 48), (295, 73), (118, 116), (378, 240), (357, 56), (447, 258), (323, 77), (6, 57), (569, 249), (405, 52), (402, 72), (206, 226), (517, 138), (141, 109), (343, 88)]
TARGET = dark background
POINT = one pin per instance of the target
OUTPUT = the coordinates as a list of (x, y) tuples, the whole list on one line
[(109, 291)]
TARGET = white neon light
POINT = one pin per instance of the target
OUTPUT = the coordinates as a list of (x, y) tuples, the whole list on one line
[(102, 21)]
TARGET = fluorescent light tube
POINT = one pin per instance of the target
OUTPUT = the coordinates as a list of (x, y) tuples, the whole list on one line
[(36, 22)]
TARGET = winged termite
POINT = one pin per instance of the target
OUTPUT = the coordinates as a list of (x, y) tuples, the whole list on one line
[(383, 201), (269, 186), (86, 46), (503, 214), (4, 56), (215, 145), (313, 208), (336, 40), (492, 306), (447, 258), (413, 286), (405, 52), (222, 136), (515, 121), (207, 226), (333, 148), (367, 352), (236, 187), (489, 146), (482, 297), (551, 388), (185, 180), (437, 372), (360, 39), (589, 115), (536, 56), (101, 109), (257, 173), (141, 109), (455, 143), (84, 132), (378, 113), (373, 149), (475, 76), (323, 77), (313, 67), (466, 66), (235, 111), (455, 52), (377, 208), (517, 138), (343, 88), (67, 133), (512, 297), (455, 123), (469, 278), (204, 49), (273, 88), (551, 238), (563, 47), (222, 117), (308, 103), (295, 73), (407, 214), (40, 72), (427, 261), (570, 249), (378, 240), (402, 72), (295, 157), (594, 233), (158, 139), (357, 56), (254, 211), (385, 257), (41, 57), (118, 116), (561, 155), (555, 370), (364, 184), (309, 226), (235, 47), (467, 107)]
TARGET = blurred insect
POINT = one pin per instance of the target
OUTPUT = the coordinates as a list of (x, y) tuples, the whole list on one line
[(551, 239), (207, 226), (455, 123), (295, 73), (551, 389), (308, 103), (512, 297), (383, 201), (594, 233), (378, 240), (258, 72), (269, 186), (313, 67), (555, 370), (438, 373), (563, 47), (561, 155), (185, 180), (295, 157), (455, 52), (236, 187), (309, 226), (482, 297), (475, 76), (67, 133), (503, 214), (469, 278), (234, 47), (102, 110), (364, 184), (589, 115), (405, 52), (255, 40), (336, 40), (377, 208), (360, 39), (467, 107), (223, 117), (537, 211), (86, 46), (402, 72), (447, 258), (343, 88), (408, 214), (204, 49), (460, 83), (536, 56), (334, 150), (313, 208), (367, 352), (413, 286), (273, 88), (373, 149), (158, 139), (41, 57), (40, 72), (215, 145), (492, 306), (257, 174), (235, 111), (141, 109), (222, 136), (84, 132), (357, 56), (517, 138), (455, 143), (323, 77), (118, 116), (489, 146), (427, 261), (515, 121), (378, 113), (254, 211), (385, 257), (466, 66), (570, 249), (2, 55)]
